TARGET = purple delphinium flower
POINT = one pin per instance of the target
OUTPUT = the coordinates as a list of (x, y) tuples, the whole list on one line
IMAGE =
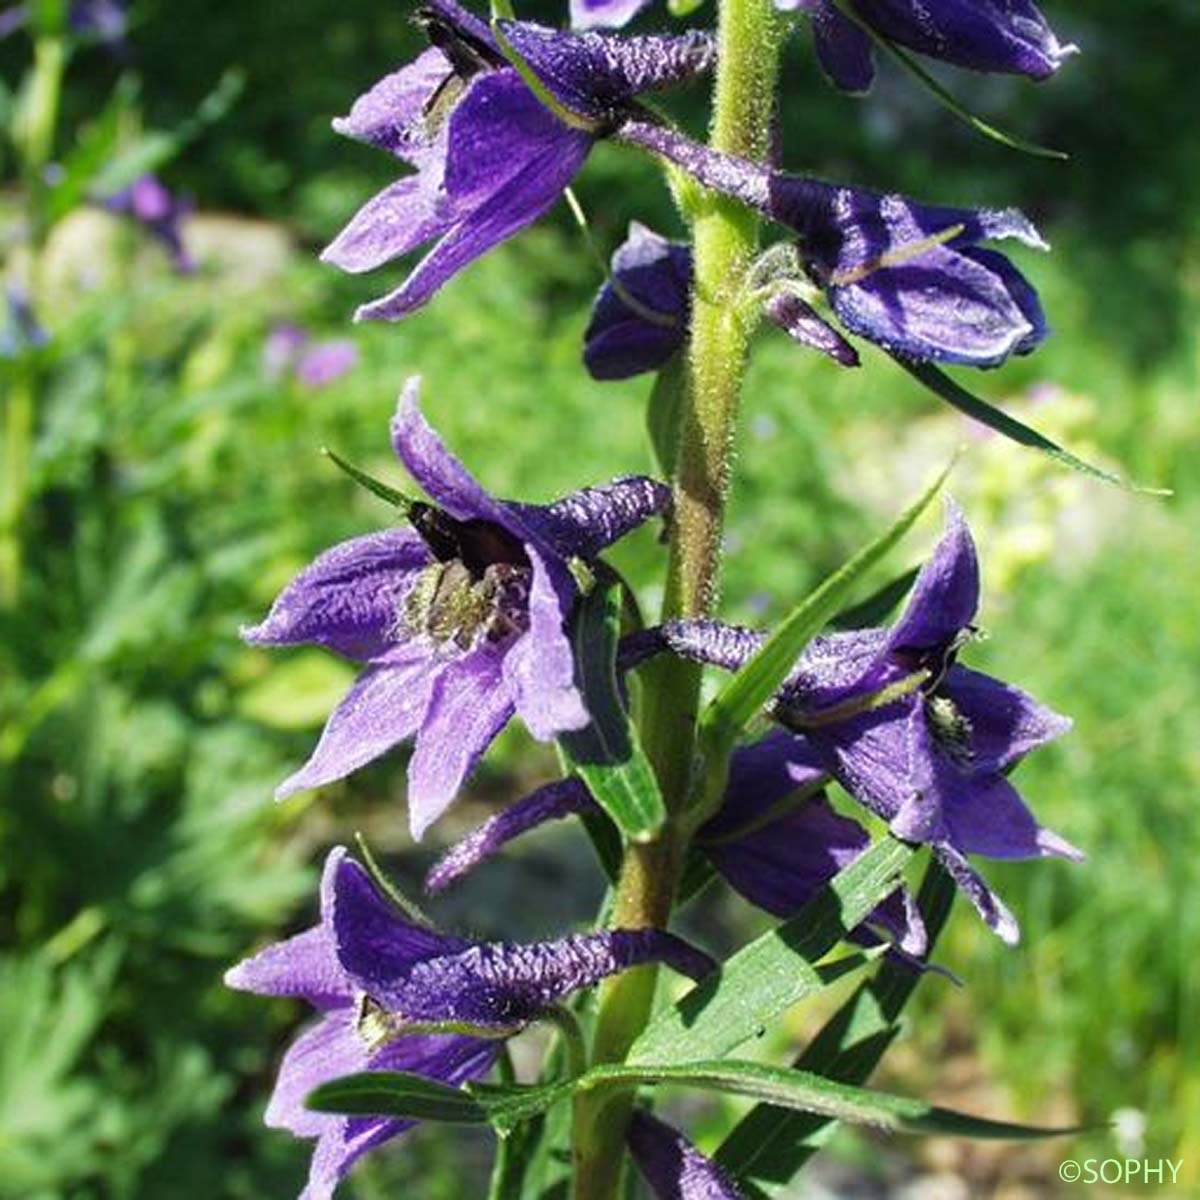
[(775, 839), (149, 203), (934, 761), (379, 980), (490, 157), (641, 314), (911, 277), (315, 364), (672, 1166), (458, 619), (1010, 36)]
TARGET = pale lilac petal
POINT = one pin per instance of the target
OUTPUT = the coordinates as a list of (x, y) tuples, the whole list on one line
[(349, 599), (672, 1166), (305, 965), (539, 668), (324, 1051), (552, 802), (402, 217), (385, 706), (729, 647), (604, 14), (468, 706), (326, 362)]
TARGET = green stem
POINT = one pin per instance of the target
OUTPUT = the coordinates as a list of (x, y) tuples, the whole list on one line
[(725, 245), (14, 475)]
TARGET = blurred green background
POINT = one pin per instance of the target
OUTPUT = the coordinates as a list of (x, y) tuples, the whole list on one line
[(175, 484)]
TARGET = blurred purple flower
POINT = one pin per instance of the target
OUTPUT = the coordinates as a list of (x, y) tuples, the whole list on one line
[(22, 331), (459, 619), (151, 205), (911, 277), (315, 364), (984, 35), (490, 157), (641, 314), (106, 20), (376, 977), (932, 762)]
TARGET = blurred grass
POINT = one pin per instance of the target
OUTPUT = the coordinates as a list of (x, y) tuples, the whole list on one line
[(178, 486)]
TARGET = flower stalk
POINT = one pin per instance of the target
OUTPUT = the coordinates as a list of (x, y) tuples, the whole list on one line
[(726, 243)]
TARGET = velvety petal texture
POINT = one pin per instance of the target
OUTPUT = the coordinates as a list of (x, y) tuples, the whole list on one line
[(460, 620), (379, 978), (490, 156), (1009, 36), (933, 762), (672, 1166)]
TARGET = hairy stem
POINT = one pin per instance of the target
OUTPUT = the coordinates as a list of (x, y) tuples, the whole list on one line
[(725, 243)]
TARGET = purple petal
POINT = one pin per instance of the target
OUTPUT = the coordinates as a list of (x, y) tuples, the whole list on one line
[(604, 14), (1006, 723), (376, 944), (326, 362), (620, 345), (505, 986), (843, 49), (324, 1051), (549, 803), (391, 115), (586, 522), (835, 666), (597, 74), (945, 596), (509, 160), (468, 706), (384, 707), (349, 599), (799, 321), (402, 217), (991, 819), (729, 647), (672, 1166), (990, 907), (539, 668)]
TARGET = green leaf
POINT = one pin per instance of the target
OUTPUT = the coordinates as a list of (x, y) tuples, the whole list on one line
[(94, 146), (942, 94), (772, 973), (878, 606), (810, 1093), (606, 754), (938, 382), (398, 1094), (770, 1143), (754, 685)]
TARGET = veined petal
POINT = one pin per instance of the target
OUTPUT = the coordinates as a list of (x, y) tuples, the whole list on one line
[(507, 985), (945, 596), (384, 707), (305, 966), (349, 598), (325, 1051), (468, 706), (672, 1166), (586, 522), (555, 800), (539, 668)]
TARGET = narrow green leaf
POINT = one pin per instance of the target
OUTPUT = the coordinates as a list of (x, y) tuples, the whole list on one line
[(770, 1144), (943, 94), (878, 606), (938, 382), (754, 685), (508, 1105), (772, 973), (606, 754), (810, 1093), (398, 1094)]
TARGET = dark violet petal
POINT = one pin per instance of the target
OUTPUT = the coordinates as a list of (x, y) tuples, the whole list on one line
[(990, 907), (402, 217), (799, 321), (588, 521), (729, 647), (1006, 723), (761, 775), (836, 666), (604, 14), (539, 668), (1021, 292), (597, 74), (468, 706), (437, 471), (322, 1052), (391, 115), (465, 24), (349, 598), (983, 35), (843, 50), (945, 596), (376, 944), (619, 345), (635, 648), (508, 161), (506, 985), (672, 1166), (385, 706), (991, 819), (655, 272), (555, 800)]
